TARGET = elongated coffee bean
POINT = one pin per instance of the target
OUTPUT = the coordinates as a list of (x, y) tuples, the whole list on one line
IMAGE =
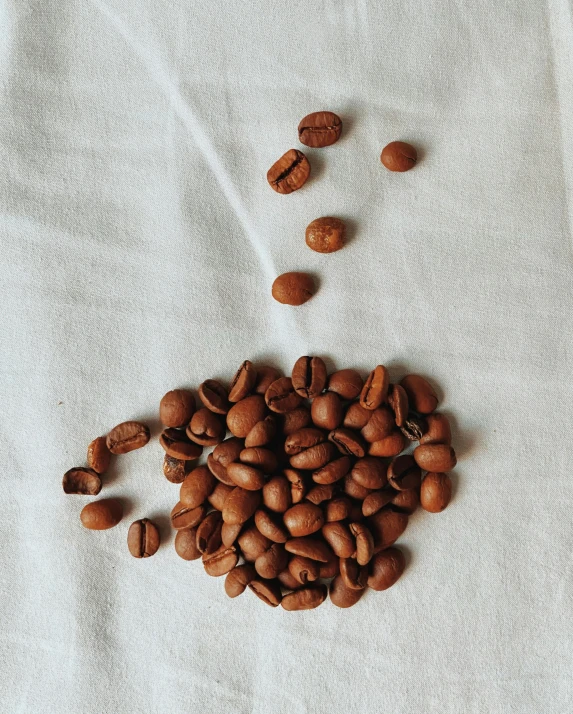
[(319, 129), (101, 515), (83, 481), (289, 173), (243, 382), (306, 598), (127, 436), (98, 455), (375, 388), (309, 377), (143, 538), (303, 519)]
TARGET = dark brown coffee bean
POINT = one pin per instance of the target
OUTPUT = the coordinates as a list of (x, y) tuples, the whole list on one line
[(270, 563), (375, 388), (309, 377), (293, 421), (246, 476), (176, 443), (306, 598), (406, 501), (289, 173), (437, 430), (205, 428), (386, 568), (262, 433), (435, 457), (404, 474), (319, 129), (327, 412), (230, 532), (356, 511), (237, 579), (310, 548), (414, 427), (218, 496), (270, 527), (388, 447), (214, 396), (354, 576), (347, 383), (128, 436), (356, 417), (265, 377), (298, 486), (333, 471), (277, 495), (399, 156), (303, 519), (263, 459), (269, 591), (175, 470), (228, 451), (183, 517), (348, 442), (176, 408), (304, 570), (143, 538), (101, 515), (326, 235), (343, 596), (353, 489), (85, 482), (186, 544), (221, 561), (198, 485), (293, 288), (243, 415), (337, 510), (99, 455), (398, 400), (218, 471), (339, 538), (436, 492), (209, 533), (370, 472), (314, 458), (364, 543), (319, 494), (253, 543), (330, 569), (303, 439), (377, 500), (243, 382), (386, 527), (281, 397), (421, 394), (287, 580), (240, 505), (380, 425)]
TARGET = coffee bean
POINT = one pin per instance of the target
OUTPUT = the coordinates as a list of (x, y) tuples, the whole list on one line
[(299, 418), (209, 533), (176, 408), (347, 442), (237, 579), (330, 569), (218, 496), (370, 472), (269, 527), (289, 173), (364, 543), (287, 581), (333, 471), (326, 235), (243, 382), (304, 570), (230, 532), (386, 568), (143, 538), (219, 471), (186, 544), (228, 451), (339, 538), (293, 288), (386, 527), (303, 439), (421, 394), (319, 494), (306, 598), (101, 515), (253, 543), (243, 415), (404, 474), (214, 396), (83, 481), (327, 412), (263, 459), (355, 490), (399, 156), (413, 427), (309, 377), (246, 476), (380, 425), (221, 561), (314, 458), (406, 501), (99, 455), (240, 505), (390, 446), (206, 428), (436, 492), (281, 396), (437, 430), (319, 129), (183, 517), (265, 377), (262, 433), (198, 485), (268, 591), (177, 444), (309, 548), (303, 519), (347, 383), (270, 563), (356, 417), (298, 487), (375, 388), (398, 400), (337, 510), (128, 436), (175, 470), (435, 457), (343, 596), (377, 500), (277, 495), (354, 576)]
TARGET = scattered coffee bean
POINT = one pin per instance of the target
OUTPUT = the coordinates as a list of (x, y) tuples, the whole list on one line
[(386, 568), (128, 436), (347, 442), (380, 425), (143, 538), (343, 596), (176, 408), (421, 394), (326, 411), (355, 576), (293, 288), (306, 598), (304, 570), (386, 527), (175, 470), (375, 388), (237, 579), (99, 455), (364, 543), (252, 543), (437, 430), (243, 382), (183, 517), (101, 515), (289, 173), (333, 471), (277, 494), (435, 457), (319, 129), (314, 458), (340, 539), (198, 485), (436, 492), (214, 396), (404, 474), (262, 433), (177, 444), (186, 544), (209, 533), (243, 415), (303, 519), (310, 548), (399, 156), (83, 481), (269, 591), (370, 472), (270, 527), (221, 561), (240, 505), (246, 476), (347, 383), (389, 446), (205, 428), (398, 400), (308, 377), (326, 235)]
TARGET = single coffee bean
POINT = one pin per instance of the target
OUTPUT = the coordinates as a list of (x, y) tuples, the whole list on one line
[(347, 442), (340, 539), (205, 428), (386, 568), (356, 417), (270, 563), (228, 451), (436, 492), (399, 156), (177, 444), (83, 481), (281, 397), (265, 377), (270, 527), (303, 439), (380, 425), (314, 458), (306, 598), (186, 544), (128, 436), (237, 579), (253, 543), (333, 471), (337, 510), (389, 446), (262, 433), (370, 472), (298, 486), (99, 455), (354, 576), (435, 457), (101, 515), (299, 418), (175, 470), (326, 411), (183, 517), (176, 408), (310, 548), (347, 383), (289, 173), (319, 129), (287, 580), (246, 476), (330, 569), (221, 561), (414, 427), (243, 382), (319, 494), (143, 538), (304, 570), (375, 388), (421, 394), (437, 430), (406, 501), (398, 400), (303, 519), (230, 533), (342, 596), (404, 474), (198, 485), (218, 496), (293, 288), (386, 527), (326, 235), (269, 591), (263, 459), (377, 500), (209, 533), (355, 490), (277, 495), (364, 543), (219, 471), (308, 377), (243, 415), (240, 505), (214, 396)]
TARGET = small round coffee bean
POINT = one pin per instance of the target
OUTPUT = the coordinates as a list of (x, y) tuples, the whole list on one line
[(304, 570), (175, 470), (262, 433), (404, 474), (270, 563), (253, 543), (228, 451), (83, 481), (230, 533), (218, 496), (269, 527), (356, 417), (303, 439), (99, 455), (337, 510), (355, 576), (314, 458), (398, 401), (298, 487), (209, 533), (333, 471), (205, 428), (380, 425), (364, 543), (246, 476), (339, 538), (298, 419), (390, 446), (310, 548), (263, 459), (243, 382), (326, 235), (370, 472), (377, 500), (319, 494), (421, 394), (330, 569), (353, 489), (128, 436), (221, 561), (342, 596), (414, 427), (308, 377), (326, 411), (281, 396), (243, 415), (306, 598), (287, 580), (143, 538), (293, 288), (386, 568), (219, 471), (183, 517), (399, 156), (303, 519), (319, 129), (406, 501), (375, 388), (435, 457), (176, 408), (198, 485), (177, 444), (289, 173), (436, 492), (269, 591), (438, 430), (265, 377), (214, 396), (101, 515), (186, 544), (347, 383), (237, 579), (348, 442), (386, 527), (277, 494), (240, 505)]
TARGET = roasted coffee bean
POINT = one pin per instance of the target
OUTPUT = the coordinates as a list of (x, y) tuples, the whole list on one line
[(380, 425), (299, 418), (436, 492), (265, 377), (377, 500), (128, 436), (269, 591), (243, 382), (198, 485), (263, 459), (404, 474), (177, 444), (347, 383), (310, 548), (354, 576), (218, 471), (399, 156), (289, 173), (270, 563), (209, 533), (386, 527), (262, 433), (287, 581), (326, 235), (343, 596), (309, 377), (293, 288), (143, 538), (304, 570), (421, 394), (306, 598), (386, 568), (183, 517), (240, 505), (237, 579), (303, 519), (214, 396), (228, 451), (375, 388), (330, 569), (83, 481), (398, 400), (175, 470), (99, 455), (303, 439), (355, 490), (319, 129), (319, 494), (340, 539), (269, 527), (176, 408), (337, 510), (347, 442), (243, 415), (277, 494), (246, 476), (314, 458), (437, 430), (364, 543), (298, 487), (218, 496), (390, 446), (186, 544), (281, 397), (435, 457), (101, 515), (333, 471), (406, 501), (230, 532), (326, 411), (356, 511), (253, 543), (221, 561), (205, 428), (414, 427), (370, 472), (356, 417)]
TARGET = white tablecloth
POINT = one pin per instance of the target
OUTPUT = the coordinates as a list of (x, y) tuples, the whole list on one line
[(139, 243)]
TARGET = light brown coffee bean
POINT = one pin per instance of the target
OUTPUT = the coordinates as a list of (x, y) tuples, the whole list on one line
[(437, 430), (176, 408), (218, 496), (343, 596), (205, 428), (319, 129), (386, 568), (339, 538), (269, 591), (287, 581), (314, 458), (353, 489), (101, 515), (319, 494), (347, 383), (228, 451), (436, 492), (243, 415), (330, 569), (375, 388), (218, 471), (348, 442), (221, 561), (303, 439), (380, 425), (364, 543), (83, 481), (270, 563), (421, 394), (183, 517), (198, 485), (262, 433), (176, 443), (230, 532), (377, 500), (356, 417), (390, 446), (435, 457), (237, 579), (214, 396), (303, 519), (289, 173), (253, 543), (306, 598), (308, 377), (128, 436), (263, 459), (246, 476), (265, 377), (293, 288), (354, 576), (386, 527), (277, 494), (304, 570), (398, 401), (326, 411), (175, 470), (404, 474), (186, 544), (406, 501), (243, 382), (337, 510), (298, 485), (370, 472), (143, 538), (270, 527), (209, 533), (298, 419), (399, 156), (99, 455), (312, 548), (326, 235), (240, 505), (281, 396), (333, 471)]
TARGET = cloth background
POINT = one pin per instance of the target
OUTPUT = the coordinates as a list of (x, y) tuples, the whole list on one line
[(139, 243)]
